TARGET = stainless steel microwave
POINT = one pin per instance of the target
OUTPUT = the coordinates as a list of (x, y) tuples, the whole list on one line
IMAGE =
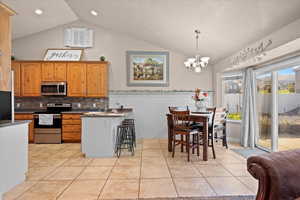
[(54, 88)]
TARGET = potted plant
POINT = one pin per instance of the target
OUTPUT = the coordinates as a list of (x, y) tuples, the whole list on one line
[(102, 58)]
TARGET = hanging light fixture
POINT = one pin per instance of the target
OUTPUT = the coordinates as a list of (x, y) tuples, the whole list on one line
[(196, 63)]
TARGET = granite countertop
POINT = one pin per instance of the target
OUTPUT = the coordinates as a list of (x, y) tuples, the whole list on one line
[(5, 123), (103, 114), (109, 113), (80, 111), (28, 111)]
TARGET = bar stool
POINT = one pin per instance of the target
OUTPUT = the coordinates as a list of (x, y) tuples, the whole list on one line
[(124, 140), (131, 124)]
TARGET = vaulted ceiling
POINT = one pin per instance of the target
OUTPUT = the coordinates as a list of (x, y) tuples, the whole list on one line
[(226, 25)]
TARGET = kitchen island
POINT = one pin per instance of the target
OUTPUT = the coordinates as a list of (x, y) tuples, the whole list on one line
[(13, 154), (99, 131)]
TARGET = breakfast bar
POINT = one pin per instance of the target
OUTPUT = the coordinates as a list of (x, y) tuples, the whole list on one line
[(99, 131)]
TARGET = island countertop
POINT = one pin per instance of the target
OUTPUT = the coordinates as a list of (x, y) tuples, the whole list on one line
[(5, 123), (112, 113)]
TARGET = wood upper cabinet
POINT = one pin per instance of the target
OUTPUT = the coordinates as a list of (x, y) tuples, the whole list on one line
[(84, 79), (96, 80), (60, 71), (16, 68), (31, 79), (47, 71), (76, 78), (54, 71)]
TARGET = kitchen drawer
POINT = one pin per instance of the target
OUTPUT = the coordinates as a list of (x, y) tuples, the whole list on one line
[(23, 116), (71, 136), (71, 121), (71, 128), (71, 116)]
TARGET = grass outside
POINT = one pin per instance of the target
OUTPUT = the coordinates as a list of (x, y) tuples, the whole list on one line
[(234, 116)]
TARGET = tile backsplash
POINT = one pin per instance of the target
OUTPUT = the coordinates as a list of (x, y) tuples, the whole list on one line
[(37, 103)]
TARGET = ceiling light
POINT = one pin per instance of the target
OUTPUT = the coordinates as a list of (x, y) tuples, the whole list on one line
[(196, 63), (38, 11), (93, 12)]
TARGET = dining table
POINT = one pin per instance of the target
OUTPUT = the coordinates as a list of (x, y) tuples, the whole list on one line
[(199, 117)]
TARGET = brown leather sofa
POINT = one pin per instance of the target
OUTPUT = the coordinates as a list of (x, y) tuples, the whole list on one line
[(278, 174)]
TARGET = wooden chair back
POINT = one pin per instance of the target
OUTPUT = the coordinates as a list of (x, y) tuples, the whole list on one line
[(181, 120), (220, 116)]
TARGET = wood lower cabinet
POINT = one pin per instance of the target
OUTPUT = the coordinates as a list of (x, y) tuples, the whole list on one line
[(31, 79), (76, 78), (16, 68), (21, 116), (96, 77), (71, 127)]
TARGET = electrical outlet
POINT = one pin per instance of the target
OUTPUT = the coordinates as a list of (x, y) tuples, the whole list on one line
[(94, 105), (0, 76)]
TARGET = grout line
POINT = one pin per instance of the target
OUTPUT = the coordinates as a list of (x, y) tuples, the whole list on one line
[(172, 178), (68, 186), (141, 163), (206, 180), (106, 180)]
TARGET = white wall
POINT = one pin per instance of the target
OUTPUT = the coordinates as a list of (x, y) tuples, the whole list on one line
[(233, 130), (113, 45), (280, 37), (150, 109)]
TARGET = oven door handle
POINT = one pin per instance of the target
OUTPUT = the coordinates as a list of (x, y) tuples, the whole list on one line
[(55, 116)]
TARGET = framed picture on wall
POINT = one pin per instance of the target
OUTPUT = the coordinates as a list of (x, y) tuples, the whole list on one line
[(63, 54), (147, 68)]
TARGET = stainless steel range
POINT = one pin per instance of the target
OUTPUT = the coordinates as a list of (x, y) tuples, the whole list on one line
[(48, 124)]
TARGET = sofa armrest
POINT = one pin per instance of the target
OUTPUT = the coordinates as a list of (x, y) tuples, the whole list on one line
[(278, 174)]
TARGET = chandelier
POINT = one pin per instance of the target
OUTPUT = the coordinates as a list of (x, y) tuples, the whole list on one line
[(196, 63)]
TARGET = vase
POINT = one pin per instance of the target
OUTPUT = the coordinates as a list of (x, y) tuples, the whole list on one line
[(200, 106)]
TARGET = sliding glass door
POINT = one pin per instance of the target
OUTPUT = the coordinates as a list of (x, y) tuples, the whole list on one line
[(264, 110), (289, 109), (278, 106)]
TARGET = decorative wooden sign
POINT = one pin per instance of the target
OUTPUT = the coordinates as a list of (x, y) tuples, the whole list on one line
[(256, 52), (63, 54)]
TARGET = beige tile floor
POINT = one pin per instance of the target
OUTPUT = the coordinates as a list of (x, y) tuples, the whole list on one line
[(60, 171)]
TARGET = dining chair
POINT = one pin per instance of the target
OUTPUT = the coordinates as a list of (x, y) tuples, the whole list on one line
[(211, 136), (220, 125), (182, 127)]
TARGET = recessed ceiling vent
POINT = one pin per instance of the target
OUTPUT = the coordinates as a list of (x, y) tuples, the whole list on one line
[(78, 37)]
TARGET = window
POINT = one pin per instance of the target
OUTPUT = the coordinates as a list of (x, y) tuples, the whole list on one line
[(233, 95)]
